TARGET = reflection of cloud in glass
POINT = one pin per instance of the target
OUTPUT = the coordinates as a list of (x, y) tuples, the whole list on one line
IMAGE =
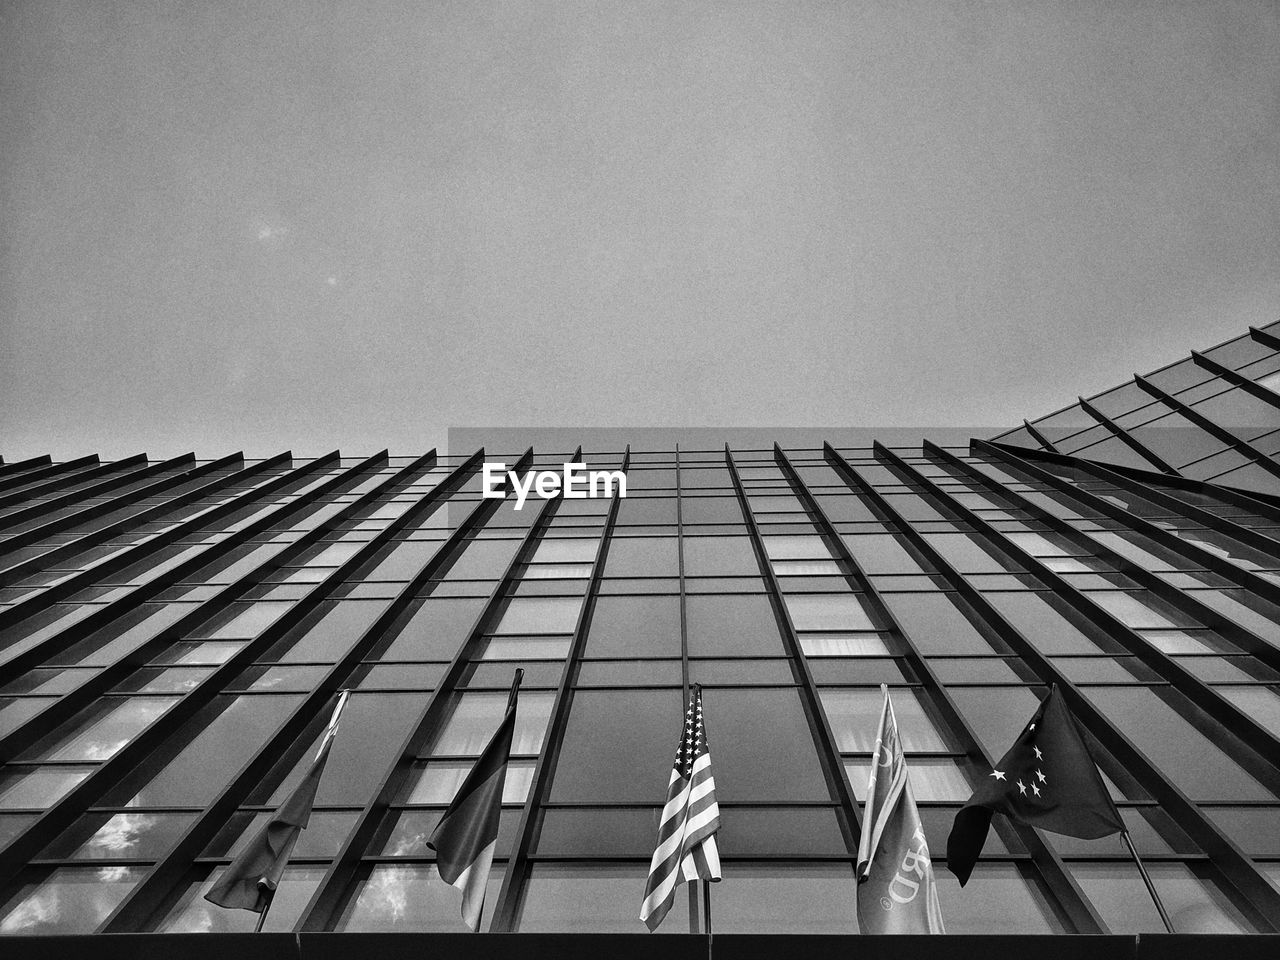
[(35, 911), (385, 897), (121, 832)]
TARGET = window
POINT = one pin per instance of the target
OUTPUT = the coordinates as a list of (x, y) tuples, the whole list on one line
[(404, 898), (1194, 902), (854, 716), (540, 615), (68, 900), (592, 898), (635, 627), (828, 612), (732, 626)]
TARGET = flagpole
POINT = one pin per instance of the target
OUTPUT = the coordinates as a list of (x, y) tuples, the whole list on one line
[(511, 700), (262, 917), (332, 729), (1151, 887)]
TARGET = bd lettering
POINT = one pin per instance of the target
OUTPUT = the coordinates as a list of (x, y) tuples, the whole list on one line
[(573, 482)]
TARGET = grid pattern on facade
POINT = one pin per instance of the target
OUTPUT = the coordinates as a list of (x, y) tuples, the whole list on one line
[(1213, 416), (172, 634)]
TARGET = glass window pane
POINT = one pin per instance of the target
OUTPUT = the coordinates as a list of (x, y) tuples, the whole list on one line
[(120, 836), (68, 900), (435, 630), (475, 717), (103, 731), (931, 778), (782, 897), (1194, 903), (635, 627), (998, 899), (935, 624), (827, 611), (38, 788), (732, 626), (592, 898), (194, 914), (403, 898), (540, 615), (854, 716)]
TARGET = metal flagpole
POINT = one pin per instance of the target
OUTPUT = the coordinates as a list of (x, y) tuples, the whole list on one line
[(262, 917), (1151, 887), (511, 699)]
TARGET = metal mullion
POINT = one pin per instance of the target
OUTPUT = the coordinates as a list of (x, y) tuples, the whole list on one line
[(1123, 435), (60, 478), (84, 541), (1206, 559), (148, 895), (28, 471), (1078, 909), (137, 596), (1039, 437), (1265, 338), (112, 771), (1255, 737), (124, 500), (145, 472), (820, 728), (334, 889), (1104, 472), (1234, 378), (506, 909), (1247, 640), (1235, 866), (1214, 429)]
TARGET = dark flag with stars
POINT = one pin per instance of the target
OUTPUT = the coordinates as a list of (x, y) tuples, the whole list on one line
[(686, 847), (1046, 780)]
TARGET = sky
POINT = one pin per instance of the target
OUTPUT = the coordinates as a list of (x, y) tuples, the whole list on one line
[(263, 226)]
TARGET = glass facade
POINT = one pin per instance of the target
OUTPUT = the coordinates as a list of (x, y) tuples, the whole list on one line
[(172, 635)]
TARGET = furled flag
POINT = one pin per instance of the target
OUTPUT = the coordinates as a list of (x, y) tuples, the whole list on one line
[(686, 835), (1046, 780), (251, 880), (897, 892), (465, 837)]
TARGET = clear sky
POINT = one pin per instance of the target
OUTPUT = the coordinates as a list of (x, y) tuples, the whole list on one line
[(271, 225)]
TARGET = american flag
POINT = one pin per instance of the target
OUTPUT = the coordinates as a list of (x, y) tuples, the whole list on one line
[(686, 837)]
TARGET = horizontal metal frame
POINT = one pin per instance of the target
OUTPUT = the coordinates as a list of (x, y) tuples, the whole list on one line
[(1234, 721), (54, 554), (336, 887), (14, 666), (1071, 900), (1210, 427), (289, 741), (1236, 867), (506, 909), (1124, 437)]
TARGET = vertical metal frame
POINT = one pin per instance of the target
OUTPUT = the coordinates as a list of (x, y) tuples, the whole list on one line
[(1129, 441), (1213, 429), (1092, 469), (121, 764), (1236, 867), (336, 888), (308, 717), (63, 480), (93, 538), (1039, 437), (20, 471), (1236, 379), (820, 727), (134, 598), (506, 911), (1264, 745), (1070, 899)]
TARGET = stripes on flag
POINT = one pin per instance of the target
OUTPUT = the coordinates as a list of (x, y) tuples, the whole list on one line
[(686, 847)]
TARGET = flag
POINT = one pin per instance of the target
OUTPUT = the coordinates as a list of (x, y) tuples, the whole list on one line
[(686, 835), (897, 892), (465, 837), (251, 880), (1046, 780)]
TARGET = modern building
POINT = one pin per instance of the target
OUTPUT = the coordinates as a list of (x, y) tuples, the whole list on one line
[(172, 635)]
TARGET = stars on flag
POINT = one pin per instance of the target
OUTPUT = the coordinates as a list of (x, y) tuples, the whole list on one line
[(998, 774), (1035, 789), (1022, 788), (1039, 755), (1041, 777)]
